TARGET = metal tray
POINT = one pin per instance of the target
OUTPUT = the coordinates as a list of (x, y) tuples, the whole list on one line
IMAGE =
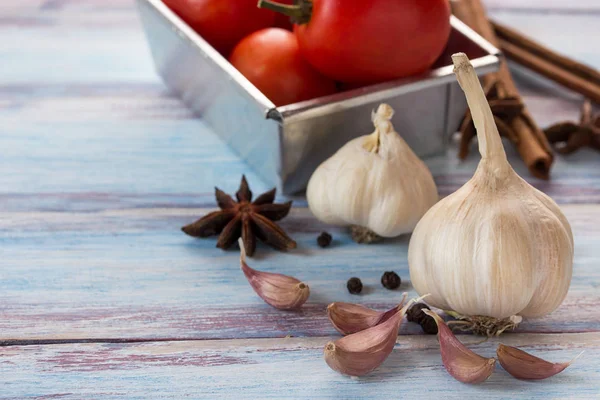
[(285, 144)]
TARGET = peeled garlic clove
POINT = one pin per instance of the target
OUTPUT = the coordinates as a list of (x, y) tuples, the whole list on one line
[(460, 362), (360, 353), (374, 182), (523, 365), (348, 318), (497, 247), (280, 291)]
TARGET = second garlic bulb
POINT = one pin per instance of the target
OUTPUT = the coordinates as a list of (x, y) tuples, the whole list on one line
[(497, 249), (374, 182)]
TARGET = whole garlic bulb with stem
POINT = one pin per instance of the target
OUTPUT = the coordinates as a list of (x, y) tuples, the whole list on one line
[(374, 183), (496, 249)]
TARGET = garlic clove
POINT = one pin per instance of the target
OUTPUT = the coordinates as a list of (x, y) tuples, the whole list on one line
[(460, 362), (361, 352), (348, 318), (523, 365), (280, 291)]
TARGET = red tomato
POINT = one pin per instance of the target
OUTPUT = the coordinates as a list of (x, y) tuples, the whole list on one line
[(222, 23), (370, 41), (271, 60)]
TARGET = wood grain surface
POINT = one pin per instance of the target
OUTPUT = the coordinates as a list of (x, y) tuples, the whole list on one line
[(282, 369), (102, 296)]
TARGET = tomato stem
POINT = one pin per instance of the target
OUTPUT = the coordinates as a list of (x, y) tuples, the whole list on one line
[(299, 13)]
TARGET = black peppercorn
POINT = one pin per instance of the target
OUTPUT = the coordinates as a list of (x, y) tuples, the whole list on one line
[(324, 239), (390, 280), (354, 285), (429, 325), (416, 314)]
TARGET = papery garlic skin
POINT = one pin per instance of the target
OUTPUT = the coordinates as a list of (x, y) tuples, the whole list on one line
[(497, 247), (481, 252), (374, 181)]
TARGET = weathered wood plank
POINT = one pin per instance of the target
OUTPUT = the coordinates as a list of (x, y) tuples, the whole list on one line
[(115, 48), (122, 8), (132, 274), (99, 167), (567, 34), (100, 55), (136, 127), (146, 161), (284, 368), (56, 102), (531, 6), (150, 156)]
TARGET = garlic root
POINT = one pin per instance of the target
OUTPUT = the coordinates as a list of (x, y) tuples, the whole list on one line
[(482, 325), (361, 234)]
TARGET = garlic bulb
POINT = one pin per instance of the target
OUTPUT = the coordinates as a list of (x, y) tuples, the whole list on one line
[(497, 247), (375, 182)]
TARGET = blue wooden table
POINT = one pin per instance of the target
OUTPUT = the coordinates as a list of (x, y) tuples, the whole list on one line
[(102, 296)]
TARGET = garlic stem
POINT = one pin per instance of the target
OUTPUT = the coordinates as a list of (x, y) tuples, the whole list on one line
[(383, 126), (490, 143), (371, 143)]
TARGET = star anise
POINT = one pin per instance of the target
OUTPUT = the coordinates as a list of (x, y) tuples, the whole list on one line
[(246, 218), (567, 137)]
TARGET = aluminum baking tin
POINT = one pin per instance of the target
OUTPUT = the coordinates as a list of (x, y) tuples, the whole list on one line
[(285, 144)]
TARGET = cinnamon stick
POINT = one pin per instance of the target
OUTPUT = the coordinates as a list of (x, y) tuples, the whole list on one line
[(531, 46), (531, 143), (569, 73)]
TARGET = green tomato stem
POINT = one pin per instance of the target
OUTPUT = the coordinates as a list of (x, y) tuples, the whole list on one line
[(299, 13)]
